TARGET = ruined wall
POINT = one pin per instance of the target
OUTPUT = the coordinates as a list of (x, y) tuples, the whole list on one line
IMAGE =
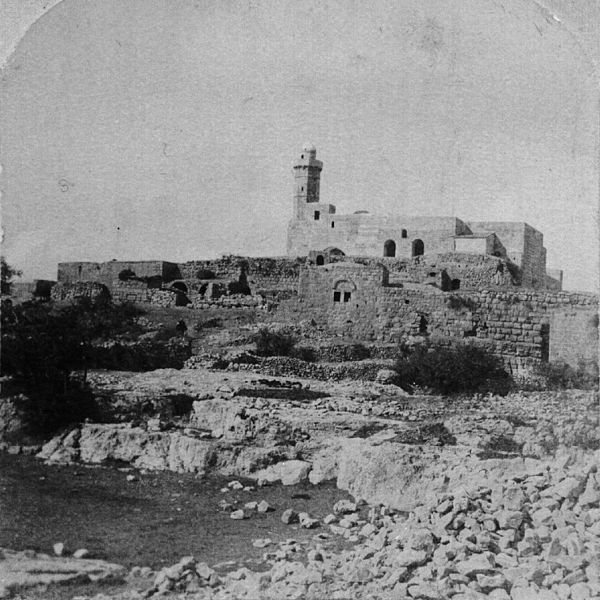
[(108, 272), (262, 273), (137, 292), (79, 289), (464, 271), (524, 246), (355, 300)]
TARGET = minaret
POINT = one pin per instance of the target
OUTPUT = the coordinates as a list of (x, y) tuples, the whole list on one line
[(307, 179)]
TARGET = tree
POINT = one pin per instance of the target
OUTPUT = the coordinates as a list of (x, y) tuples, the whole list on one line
[(8, 274), (48, 349)]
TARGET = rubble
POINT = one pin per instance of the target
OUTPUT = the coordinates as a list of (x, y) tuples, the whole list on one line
[(525, 536), (481, 497)]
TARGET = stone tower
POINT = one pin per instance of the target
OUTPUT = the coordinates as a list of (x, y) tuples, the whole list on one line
[(307, 179)]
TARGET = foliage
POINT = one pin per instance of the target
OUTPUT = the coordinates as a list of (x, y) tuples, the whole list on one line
[(463, 368), (144, 355), (50, 349), (304, 353), (208, 324), (273, 343), (205, 274), (44, 344), (455, 302), (8, 273), (561, 376)]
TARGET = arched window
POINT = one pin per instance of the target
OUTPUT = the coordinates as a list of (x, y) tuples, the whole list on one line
[(418, 248), (389, 248), (404, 234), (320, 260), (343, 290)]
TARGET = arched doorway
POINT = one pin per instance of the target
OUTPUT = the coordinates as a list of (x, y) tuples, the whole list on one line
[(389, 248), (418, 248), (320, 260)]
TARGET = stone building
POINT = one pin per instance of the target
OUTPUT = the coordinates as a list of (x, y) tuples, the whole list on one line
[(523, 326), (317, 230), (379, 279)]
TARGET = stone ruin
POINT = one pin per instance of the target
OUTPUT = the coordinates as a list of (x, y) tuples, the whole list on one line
[(375, 278)]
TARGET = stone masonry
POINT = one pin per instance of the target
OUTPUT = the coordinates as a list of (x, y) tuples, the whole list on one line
[(360, 302), (316, 226)]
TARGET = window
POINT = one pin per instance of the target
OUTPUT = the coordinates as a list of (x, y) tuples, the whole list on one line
[(337, 296), (302, 156), (347, 296), (389, 248), (317, 215), (418, 248), (404, 234), (332, 224), (320, 260), (302, 189)]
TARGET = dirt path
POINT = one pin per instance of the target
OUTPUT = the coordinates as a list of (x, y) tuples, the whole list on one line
[(152, 521)]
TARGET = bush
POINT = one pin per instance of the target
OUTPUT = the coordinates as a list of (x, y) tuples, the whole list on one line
[(208, 324), (459, 303), (8, 274), (205, 274), (304, 353), (463, 368), (561, 376), (273, 343)]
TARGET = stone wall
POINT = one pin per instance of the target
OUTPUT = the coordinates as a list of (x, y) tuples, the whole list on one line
[(365, 235), (80, 289), (136, 292), (448, 271), (363, 303), (262, 273), (108, 272)]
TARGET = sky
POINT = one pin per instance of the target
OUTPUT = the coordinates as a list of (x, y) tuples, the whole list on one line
[(167, 129)]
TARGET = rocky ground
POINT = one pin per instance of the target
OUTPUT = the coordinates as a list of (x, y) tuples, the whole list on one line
[(483, 497)]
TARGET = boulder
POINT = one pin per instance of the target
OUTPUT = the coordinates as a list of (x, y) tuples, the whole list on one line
[(289, 516), (289, 472), (22, 570)]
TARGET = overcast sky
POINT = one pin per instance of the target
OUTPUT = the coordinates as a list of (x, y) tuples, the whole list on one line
[(167, 129)]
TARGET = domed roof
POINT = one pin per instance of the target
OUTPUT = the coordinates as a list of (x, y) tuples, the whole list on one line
[(308, 147)]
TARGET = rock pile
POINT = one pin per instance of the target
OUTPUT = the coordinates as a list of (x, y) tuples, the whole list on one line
[(534, 536)]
